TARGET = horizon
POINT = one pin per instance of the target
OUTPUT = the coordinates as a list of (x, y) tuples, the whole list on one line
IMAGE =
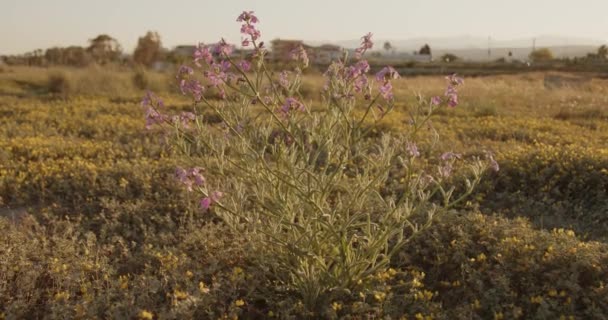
[(70, 22)]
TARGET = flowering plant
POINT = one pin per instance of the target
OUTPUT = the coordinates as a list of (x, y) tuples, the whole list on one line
[(310, 189)]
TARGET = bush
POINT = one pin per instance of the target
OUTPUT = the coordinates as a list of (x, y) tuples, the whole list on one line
[(311, 190), (59, 84), (141, 80)]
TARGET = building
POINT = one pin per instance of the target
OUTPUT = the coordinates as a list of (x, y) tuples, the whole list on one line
[(324, 54)]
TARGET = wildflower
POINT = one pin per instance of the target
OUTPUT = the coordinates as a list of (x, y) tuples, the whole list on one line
[(299, 54), (202, 52), (247, 16), (435, 101), (292, 104), (203, 288), (180, 295), (387, 73), (239, 303), (412, 149), (184, 71), (146, 315), (450, 155), (336, 306), (451, 92), (193, 87), (284, 79), (493, 164), (251, 31), (223, 48), (215, 196), (245, 42), (244, 65), (455, 80), (366, 43), (445, 171), (386, 91), (189, 178)]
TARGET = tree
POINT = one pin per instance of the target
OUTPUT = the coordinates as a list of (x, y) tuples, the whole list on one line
[(448, 57), (149, 49), (540, 55), (388, 46), (104, 49), (425, 50), (602, 52)]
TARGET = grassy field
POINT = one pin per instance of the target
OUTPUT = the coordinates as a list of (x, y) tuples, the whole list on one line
[(94, 225)]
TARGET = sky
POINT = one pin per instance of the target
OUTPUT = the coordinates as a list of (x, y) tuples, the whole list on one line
[(26, 25)]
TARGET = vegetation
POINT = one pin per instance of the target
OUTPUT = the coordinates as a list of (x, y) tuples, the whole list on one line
[(97, 223), (541, 55)]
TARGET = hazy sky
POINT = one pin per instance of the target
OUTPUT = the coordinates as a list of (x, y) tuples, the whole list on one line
[(29, 24)]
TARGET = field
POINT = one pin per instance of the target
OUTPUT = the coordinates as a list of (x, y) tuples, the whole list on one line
[(95, 224)]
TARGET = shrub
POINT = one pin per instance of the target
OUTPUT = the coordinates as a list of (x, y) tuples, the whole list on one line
[(311, 190), (140, 79), (59, 84)]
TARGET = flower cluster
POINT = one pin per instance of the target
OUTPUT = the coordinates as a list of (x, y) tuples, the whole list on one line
[(451, 92), (366, 44), (248, 27), (152, 105), (385, 76), (190, 177)]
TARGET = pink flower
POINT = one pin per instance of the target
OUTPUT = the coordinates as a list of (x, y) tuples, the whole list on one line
[(190, 177), (223, 48), (299, 54), (386, 91), (214, 197), (493, 164), (412, 149), (455, 80), (250, 30), (387, 73), (366, 43), (247, 16), (435, 101), (202, 52), (292, 104), (450, 155), (284, 79), (245, 42), (445, 171), (193, 87), (245, 65)]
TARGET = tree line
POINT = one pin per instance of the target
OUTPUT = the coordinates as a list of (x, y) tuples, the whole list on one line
[(102, 49)]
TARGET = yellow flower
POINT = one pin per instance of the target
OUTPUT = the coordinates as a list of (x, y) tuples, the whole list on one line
[(180, 295), (62, 296), (189, 274), (124, 282), (552, 293), (239, 303), (146, 315), (202, 288), (498, 316), (336, 306), (536, 299), (380, 296)]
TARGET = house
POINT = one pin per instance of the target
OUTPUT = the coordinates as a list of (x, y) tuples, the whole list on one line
[(324, 54), (281, 49)]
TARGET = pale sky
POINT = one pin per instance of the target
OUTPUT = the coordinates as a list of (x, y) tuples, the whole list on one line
[(30, 24)]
